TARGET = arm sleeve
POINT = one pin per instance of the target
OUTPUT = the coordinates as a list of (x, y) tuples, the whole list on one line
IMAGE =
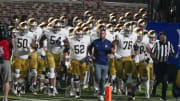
[(172, 49), (154, 48), (90, 47)]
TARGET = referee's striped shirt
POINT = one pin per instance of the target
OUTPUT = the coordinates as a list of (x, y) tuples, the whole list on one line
[(162, 50)]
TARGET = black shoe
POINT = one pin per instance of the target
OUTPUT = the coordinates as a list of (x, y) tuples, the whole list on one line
[(163, 99), (153, 93)]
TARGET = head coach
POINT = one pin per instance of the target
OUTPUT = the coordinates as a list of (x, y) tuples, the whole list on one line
[(99, 50)]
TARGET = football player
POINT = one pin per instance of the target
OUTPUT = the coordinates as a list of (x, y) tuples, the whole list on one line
[(111, 36), (23, 42), (124, 65), (33, 63), (152, 39), (55, 46), (78, 53), (42, 58), (141, 61)]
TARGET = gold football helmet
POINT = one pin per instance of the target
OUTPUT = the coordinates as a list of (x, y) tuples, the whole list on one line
[(119, 26), (55, 24), (141, 23), (50, 19), (122, 20), (136, 16), (86, 30), (139, 33), (92, 18), (23, 27), (110, 27), (127, 26), (16, 20), (43, 24), (87, 13), (152, 33), (90, 24), (71, 31), (133, 24), (113, 19), (79, 24), (145, 32), (112, 14), (100, 28), (64, 21), (152, 36), (127, 29), (128, 16), (100, 21), (144, 16), (78, 32), (84, 25), (142, 11), (76, 20), (32, 22)]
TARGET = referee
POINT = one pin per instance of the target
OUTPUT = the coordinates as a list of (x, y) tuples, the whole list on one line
[(160, 53)]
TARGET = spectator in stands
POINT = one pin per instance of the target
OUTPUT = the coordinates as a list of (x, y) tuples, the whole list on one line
[(99, 3)]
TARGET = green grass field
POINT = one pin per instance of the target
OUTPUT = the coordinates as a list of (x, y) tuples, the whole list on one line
[(87, 95)]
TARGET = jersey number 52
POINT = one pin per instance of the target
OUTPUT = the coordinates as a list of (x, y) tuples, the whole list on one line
[(79, 49)]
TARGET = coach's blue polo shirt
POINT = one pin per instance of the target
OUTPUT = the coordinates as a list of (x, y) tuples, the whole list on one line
[(101, 51)]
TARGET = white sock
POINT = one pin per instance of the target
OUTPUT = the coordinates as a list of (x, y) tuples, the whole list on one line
[(147, 86)]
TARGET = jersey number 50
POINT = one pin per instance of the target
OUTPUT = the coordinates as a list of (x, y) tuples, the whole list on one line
[(22, 43)]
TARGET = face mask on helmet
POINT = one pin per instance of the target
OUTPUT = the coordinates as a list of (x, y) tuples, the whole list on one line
[(23, 31), (64, 23), (33, 28), (126, 33), (91, 25), (152, 39), (111, 29), (88, 32), (143, 25), (57, 26), (127, 30), (78, 34), (139, 38)]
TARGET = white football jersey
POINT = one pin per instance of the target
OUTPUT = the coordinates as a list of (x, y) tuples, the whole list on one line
[(141, 50), (65, 31), (53, 39), (37, 33), (151, 46), (110, 36), (23, 45), (125, 46), (78, 48), (133, 36), (145, 39), (94, 35)]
